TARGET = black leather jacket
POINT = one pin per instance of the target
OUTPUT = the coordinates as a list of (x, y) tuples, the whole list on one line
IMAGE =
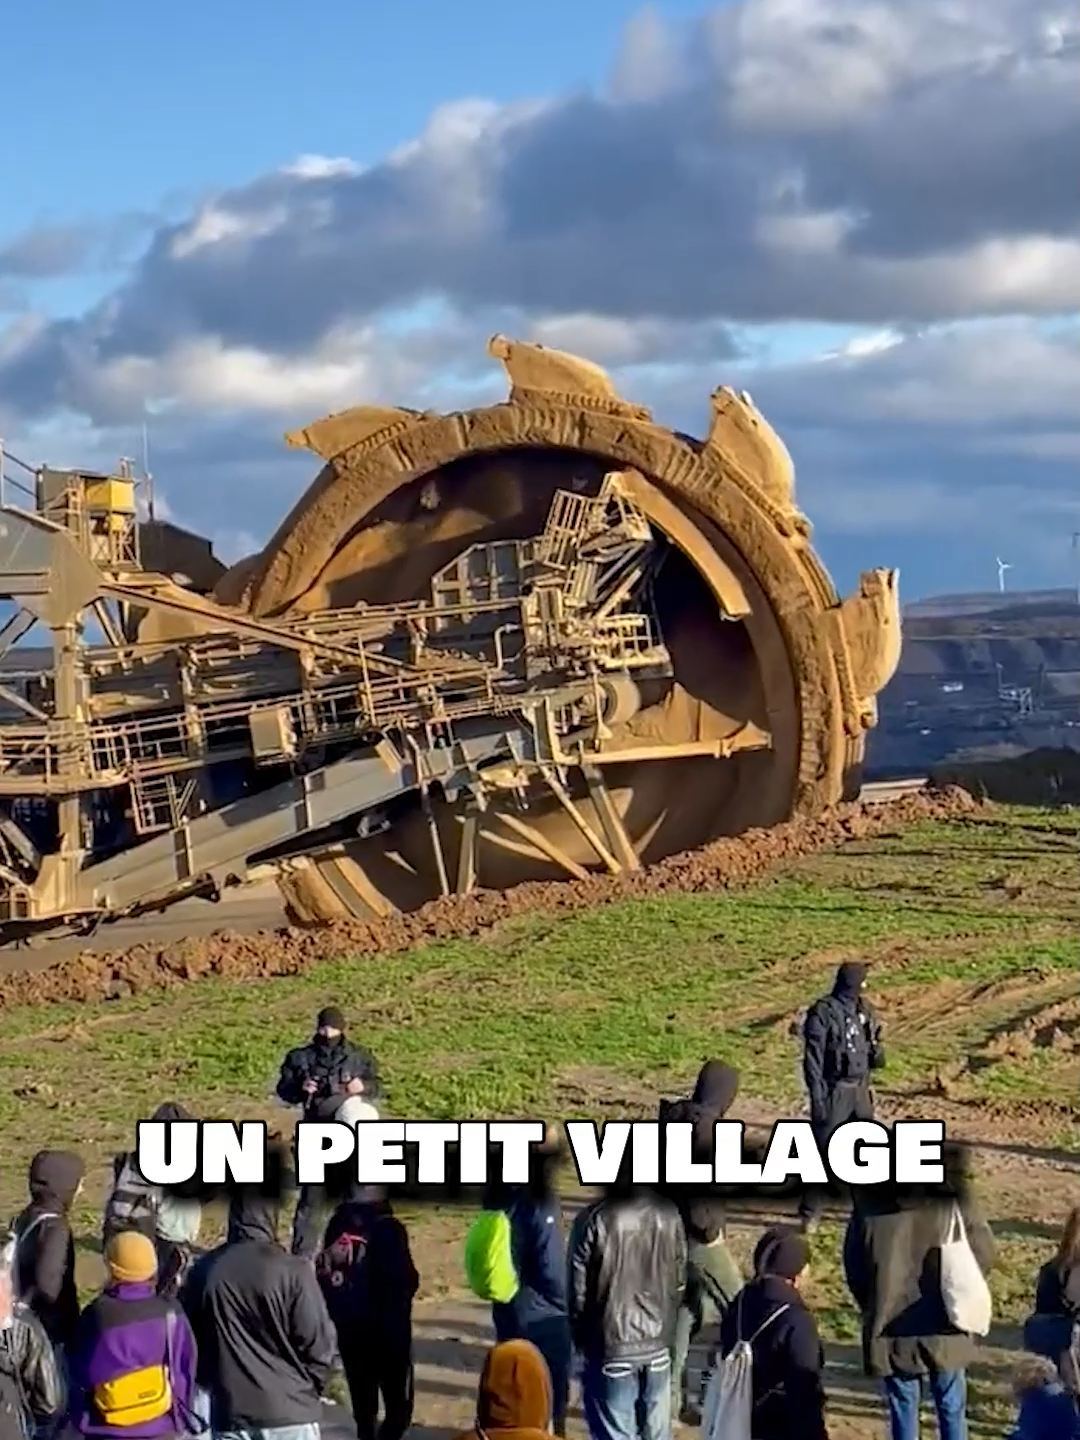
[(330, 1066), (31, 1384), (627, 1265)]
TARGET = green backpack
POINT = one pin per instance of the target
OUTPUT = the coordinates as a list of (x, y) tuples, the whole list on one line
[(489, 1259)]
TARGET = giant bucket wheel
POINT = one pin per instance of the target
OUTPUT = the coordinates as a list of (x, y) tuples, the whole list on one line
[(772, 673)]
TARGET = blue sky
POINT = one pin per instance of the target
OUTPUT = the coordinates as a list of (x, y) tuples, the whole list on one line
[(866, 215), (133, 103)]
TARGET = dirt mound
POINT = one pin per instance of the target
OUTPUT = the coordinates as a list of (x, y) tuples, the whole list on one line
[(1041, 777), (1053, 1027), (288, 951)]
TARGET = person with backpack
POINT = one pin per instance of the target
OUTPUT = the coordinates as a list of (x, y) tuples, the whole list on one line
[(768, 1385), (516, 1261), (32, 1392), (627, 1261), (893, 1264), (841, 1048), (1053, 1329), (317, 1077), (713, 1277), (44, 1248), (368, 1280), (171, 1219), (514, 1398), (133, 1359), (266, 1345)]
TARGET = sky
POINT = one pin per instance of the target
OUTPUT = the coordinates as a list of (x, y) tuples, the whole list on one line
[(222, 221)]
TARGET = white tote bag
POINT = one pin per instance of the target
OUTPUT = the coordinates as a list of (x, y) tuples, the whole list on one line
[(964, 1290)]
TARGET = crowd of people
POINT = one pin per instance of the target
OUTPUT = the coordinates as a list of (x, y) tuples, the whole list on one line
[(248, 1340)]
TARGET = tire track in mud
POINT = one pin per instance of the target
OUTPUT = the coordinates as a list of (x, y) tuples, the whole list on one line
[(721, 865)]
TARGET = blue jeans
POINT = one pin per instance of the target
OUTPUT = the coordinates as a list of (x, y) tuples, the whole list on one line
[(274, 1432), (628, 1399), (948, 1390)]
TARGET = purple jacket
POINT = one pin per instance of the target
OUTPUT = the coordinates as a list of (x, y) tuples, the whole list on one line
[(126, 1329)]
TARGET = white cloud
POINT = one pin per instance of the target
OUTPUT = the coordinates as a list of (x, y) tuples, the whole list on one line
[(320, 167), (897, 174)]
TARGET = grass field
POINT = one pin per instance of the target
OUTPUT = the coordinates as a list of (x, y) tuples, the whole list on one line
[(971, 928)]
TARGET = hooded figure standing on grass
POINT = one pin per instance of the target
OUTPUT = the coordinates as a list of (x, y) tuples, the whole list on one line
[(267, 1350), (841, 1047), (43, 1265), (713, 1277)]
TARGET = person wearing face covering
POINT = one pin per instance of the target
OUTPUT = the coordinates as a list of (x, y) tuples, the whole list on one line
[(43, 1266), (841, 1048), (713, 1277), (318, 1076), (769, 1312), (514, 1400)]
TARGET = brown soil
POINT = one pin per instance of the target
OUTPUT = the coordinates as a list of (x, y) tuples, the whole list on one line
[(1049, 1027), (288, 951)]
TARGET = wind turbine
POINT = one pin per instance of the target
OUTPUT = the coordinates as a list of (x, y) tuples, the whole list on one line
[(1002, 565)]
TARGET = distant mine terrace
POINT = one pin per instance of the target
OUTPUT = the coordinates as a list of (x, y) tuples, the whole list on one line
[(981, 676)]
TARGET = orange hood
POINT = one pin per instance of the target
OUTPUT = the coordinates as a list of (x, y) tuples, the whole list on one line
[(515, 1397)]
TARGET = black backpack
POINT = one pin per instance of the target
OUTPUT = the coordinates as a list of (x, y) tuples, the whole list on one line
[(343, 1271), (849, 1043)]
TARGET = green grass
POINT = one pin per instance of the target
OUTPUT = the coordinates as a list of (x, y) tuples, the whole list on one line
[(970, 925), (638, 990)]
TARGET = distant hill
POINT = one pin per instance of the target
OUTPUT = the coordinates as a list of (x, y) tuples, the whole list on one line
[(987, 602)]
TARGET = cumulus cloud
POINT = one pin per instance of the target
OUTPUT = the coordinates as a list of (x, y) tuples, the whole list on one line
[(905, 168)]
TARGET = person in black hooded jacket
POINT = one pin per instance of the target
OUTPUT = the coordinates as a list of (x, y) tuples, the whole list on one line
[(44, 1263), (369, 1282), (789, 1396), (318, 1076), (713, 1277), (841, 1047), (266, 1346)]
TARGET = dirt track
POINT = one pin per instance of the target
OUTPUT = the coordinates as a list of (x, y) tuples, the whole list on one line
[(285, 951)]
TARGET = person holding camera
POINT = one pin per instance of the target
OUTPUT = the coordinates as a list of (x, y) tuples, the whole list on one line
[(319, 1077)]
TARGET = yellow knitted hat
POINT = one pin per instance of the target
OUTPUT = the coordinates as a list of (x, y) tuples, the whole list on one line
[(131, 1258)]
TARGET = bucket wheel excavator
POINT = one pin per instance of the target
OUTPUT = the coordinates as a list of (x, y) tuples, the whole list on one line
[(533, 640)]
